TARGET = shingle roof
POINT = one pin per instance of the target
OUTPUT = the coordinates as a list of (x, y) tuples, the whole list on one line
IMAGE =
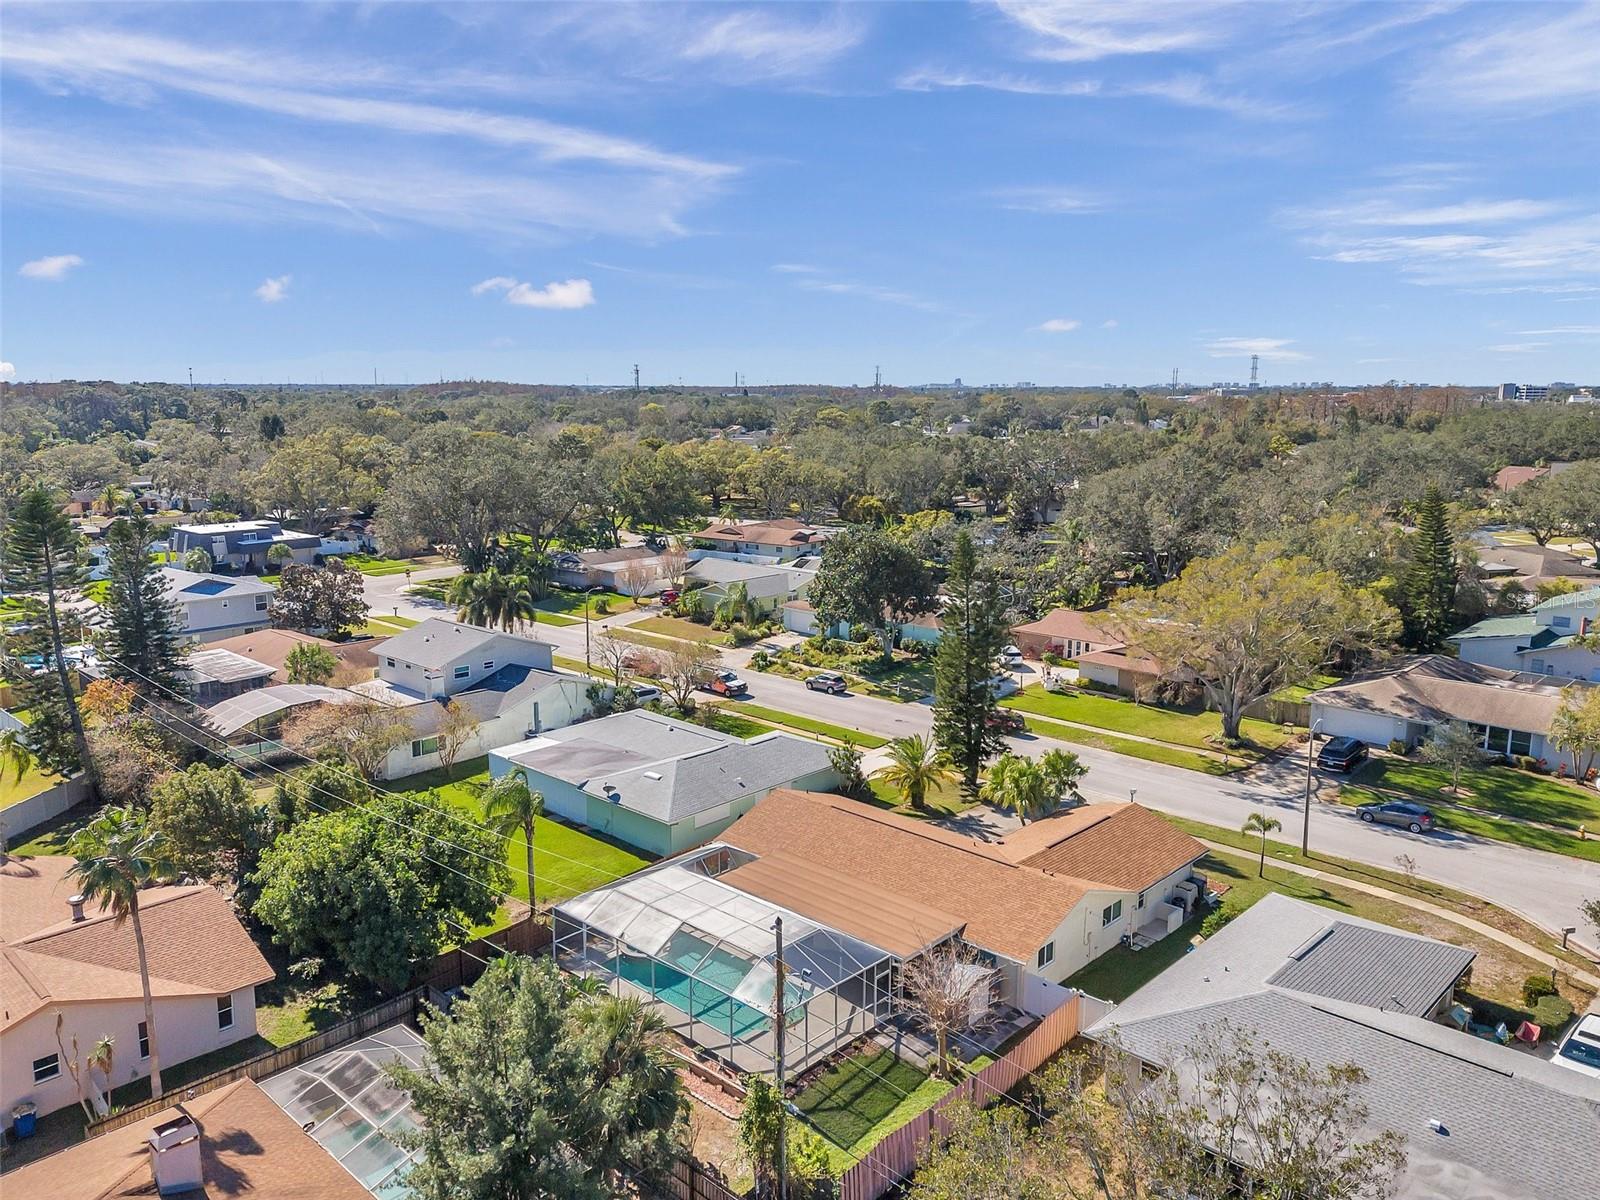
[(1073, 625), (193, 942), (1430, 688), (782, 531), (248, 1147), (1124, 846), (437, 642), (1581, 599), (273, 647), (190, 585)]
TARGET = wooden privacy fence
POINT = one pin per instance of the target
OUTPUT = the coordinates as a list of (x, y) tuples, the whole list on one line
[(894, 1158), (402, 1008), (463, 965), (691, 1179)]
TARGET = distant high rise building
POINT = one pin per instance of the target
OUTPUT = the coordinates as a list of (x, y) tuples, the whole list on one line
[(1524, 393)]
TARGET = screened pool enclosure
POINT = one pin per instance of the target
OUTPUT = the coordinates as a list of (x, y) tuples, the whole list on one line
[(705, 953)]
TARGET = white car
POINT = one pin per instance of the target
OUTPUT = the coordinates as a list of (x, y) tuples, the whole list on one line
[(644, 692), (1580, 1049), (1011, 656)]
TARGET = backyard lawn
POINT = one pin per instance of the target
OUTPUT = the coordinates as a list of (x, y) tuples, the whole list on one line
[(566, 861), (1521, 795), (858, 1101), (33, 781), (1174, 726)]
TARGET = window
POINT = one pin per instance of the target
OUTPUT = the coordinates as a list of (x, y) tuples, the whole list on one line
[(1561, 622), (424, 746), (463, 671), (1111, 914), (1520, 742), (489, 666), (1047, 955), (224, 1012), (144, 1040), (388, 662), (261, 604), (47, 1067), (1141, 901)]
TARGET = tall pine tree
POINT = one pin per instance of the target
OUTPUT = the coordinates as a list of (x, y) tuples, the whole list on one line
[(43, 556), (1428, 597), (975, 631), (144, 638)]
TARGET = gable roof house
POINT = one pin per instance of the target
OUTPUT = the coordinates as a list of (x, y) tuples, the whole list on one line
[(630, 570), (506, 680), (243, 545), (60, 957), (658, 783), (1478, 1118), (768, 586), (213, 607), (1539, 642), (272, 647), (1068, 632), (779, 539), (1529, 566)]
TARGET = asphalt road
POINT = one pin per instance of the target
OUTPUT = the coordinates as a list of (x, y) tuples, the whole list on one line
[(1547, 889)]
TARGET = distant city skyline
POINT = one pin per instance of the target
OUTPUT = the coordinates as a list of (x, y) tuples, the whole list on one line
[(1064, 193)]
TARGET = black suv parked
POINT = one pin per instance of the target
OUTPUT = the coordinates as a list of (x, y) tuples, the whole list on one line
[(1342, 754)]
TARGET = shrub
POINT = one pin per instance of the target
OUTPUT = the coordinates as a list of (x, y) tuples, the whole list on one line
[(1526, 762), (1552, 1012), (1396, 746), (760, 661), (1216, 920), (1536, 987)]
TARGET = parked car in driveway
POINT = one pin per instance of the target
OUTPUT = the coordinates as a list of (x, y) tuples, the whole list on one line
[(644, 692), (1580, 1049), (1418, 818), (828, 681), (725, 683), (1011, 656), (1342, 754)]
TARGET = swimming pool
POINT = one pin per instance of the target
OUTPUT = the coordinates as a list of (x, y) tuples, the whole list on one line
[(696, 997)]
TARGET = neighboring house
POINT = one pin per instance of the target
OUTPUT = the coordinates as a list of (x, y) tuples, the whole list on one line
[(68, 960), (243, 545), (1529, 566), (1477, 1118), (273, 647), (215, 674), (217, 606), (1067, 632), (1540, 642), (1405, 699), (1509, 479), (658, 783), (1044, 900), (1120, 668), (768, 587), (631, 570), (799, 617), (506, 680), (782, 539)]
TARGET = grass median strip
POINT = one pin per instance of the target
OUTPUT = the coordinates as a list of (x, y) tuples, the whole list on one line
[(1172, 756), (828, 729)]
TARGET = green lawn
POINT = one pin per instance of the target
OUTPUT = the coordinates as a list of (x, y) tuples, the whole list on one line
[(1177, 727), (677, 627), (370, 564), (855, 1103), (381, 626), (571, 603), (566, 861), (1171, 755), (628, 633), (1297, 693), (946, 800), (1518, 794), (838, 733), (908, 680), (33, 781), (736, 724), (549, 618)]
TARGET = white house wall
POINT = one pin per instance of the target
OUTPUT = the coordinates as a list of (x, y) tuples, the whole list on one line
[(559, 705), (186, 1027), (212, 618)]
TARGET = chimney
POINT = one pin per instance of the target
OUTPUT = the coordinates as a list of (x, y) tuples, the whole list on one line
[(77, 907), (175, 1155)]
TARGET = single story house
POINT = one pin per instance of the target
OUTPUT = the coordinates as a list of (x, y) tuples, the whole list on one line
[(658, 783), (1539, 642), (1120, 668), (799, 617), (781, 539), (1529, 566), (68, 960), (243, 545), (767, 586), (1404, 700), (630, 570), (505, 680), (213, 607), (1044, 900), (272, 647), (1068, 632), (1477, 1118)]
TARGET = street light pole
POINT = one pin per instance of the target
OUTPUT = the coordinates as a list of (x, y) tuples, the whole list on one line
[(587, 592), (777, 1046), (1305, 823)]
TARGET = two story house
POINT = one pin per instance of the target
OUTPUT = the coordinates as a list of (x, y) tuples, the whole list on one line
[(1544, 641), (217, 606), (508, 682), (244, 545), (781, 539)]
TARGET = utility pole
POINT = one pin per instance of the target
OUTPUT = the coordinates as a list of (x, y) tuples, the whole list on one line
[(636, 377), (778, 972), (1305, 822), (191, 379)]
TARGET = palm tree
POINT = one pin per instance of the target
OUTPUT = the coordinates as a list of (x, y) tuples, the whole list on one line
[(1257, 823), (1018, 784), (16, 756), (117, 855), (736, 608), (511, 806), (113, 497), (492, 597), (915, 765), (632, 1062)]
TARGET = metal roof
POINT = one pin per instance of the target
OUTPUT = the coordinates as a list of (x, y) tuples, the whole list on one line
[(223, 666), (1391, 971)]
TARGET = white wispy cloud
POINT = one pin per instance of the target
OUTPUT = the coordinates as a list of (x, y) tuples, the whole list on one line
[(796, 269), (274, 289), (1560, 330), (774, 45), (1192, 91), (1109, 323), (1524, 59), (53, 267), (931, 79), (1056, 325), (870, 291), (1088, 30), (1061, 201), (1271, 349), (1518, 348), (566, 294), (7, 371)]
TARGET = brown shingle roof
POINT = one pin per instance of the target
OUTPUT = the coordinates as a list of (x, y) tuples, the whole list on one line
[(1122, 845), (1510, 478), (1072, 625), (249, 1147), (194, 944), (273, 646), (781, 531)]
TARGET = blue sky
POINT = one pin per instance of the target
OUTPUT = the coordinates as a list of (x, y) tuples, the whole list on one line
[(1023, 190)]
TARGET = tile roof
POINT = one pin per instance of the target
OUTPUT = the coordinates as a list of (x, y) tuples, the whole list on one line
[(249, 1147), (193, 942)]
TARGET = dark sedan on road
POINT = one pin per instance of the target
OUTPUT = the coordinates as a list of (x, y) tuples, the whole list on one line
[(1417, 818), (828, 681)]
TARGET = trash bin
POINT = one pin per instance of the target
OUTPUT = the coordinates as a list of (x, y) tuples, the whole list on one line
[(23, 1118)]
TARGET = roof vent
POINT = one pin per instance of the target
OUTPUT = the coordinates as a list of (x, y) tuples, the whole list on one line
[(175, 1156), (1439, 1127), (656, 775), (77, 906)]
